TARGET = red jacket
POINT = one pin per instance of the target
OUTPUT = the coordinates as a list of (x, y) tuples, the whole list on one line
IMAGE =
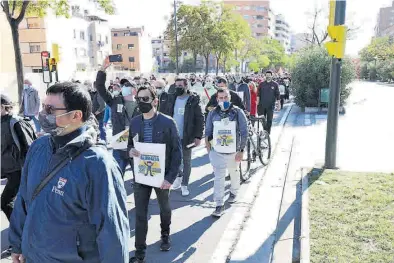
[(253, 99)]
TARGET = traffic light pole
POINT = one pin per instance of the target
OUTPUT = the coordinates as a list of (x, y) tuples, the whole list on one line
[(335, 91), (176, 38)]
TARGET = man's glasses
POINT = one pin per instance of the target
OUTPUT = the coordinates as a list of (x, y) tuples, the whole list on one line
[(145, 99), (49, 109)]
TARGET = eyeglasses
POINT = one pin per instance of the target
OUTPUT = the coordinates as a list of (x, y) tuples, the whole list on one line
[(49, 109), (145, 99)]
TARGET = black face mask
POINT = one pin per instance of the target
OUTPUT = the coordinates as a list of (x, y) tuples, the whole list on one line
[(180, 90), (144, 107)]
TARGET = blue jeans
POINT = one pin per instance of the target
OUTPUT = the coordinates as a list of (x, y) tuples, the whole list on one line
[(103, 132), (36, 122), (119, 156)]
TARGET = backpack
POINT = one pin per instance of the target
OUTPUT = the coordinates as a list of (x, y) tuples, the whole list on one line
[(27, 130)]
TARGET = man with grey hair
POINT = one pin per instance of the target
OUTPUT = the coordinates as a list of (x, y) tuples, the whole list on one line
[(30, 104)]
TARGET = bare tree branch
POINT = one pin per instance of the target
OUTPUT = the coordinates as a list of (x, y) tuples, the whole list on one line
[(13, 9), (6, 9), (23, 11)]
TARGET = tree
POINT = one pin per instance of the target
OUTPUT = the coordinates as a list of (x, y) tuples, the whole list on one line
[(187, 66), (16, 10), (248, 48), (381, 48), (273, 50)]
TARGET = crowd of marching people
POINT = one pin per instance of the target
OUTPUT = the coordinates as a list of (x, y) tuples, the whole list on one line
[(65, 197)]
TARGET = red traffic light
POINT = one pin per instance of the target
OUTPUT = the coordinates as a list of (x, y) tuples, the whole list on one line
[(45, 54)]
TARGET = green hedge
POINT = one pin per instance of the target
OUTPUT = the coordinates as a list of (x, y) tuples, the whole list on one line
[(311, 72)]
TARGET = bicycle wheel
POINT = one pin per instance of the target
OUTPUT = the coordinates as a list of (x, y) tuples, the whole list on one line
[(244, 165), (264, 147)]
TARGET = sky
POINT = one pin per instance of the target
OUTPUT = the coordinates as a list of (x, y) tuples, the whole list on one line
[(153, 15)]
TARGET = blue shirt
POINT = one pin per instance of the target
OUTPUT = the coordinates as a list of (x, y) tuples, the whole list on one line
[(148, 130), (179, 113)]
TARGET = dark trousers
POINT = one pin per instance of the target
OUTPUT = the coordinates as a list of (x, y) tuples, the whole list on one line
[(186, 167), (10, 192), (268, 113), (141, 197), (103, 132), (282, 100)]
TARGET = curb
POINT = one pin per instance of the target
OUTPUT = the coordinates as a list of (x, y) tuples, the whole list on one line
[(304, 239), (233, 230)]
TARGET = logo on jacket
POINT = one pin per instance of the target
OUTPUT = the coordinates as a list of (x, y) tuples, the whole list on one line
[(60, 184)]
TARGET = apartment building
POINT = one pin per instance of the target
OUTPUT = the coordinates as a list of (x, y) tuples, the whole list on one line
[(282, 32), (135, 46), (385, 20), (83, 39), (258, 15), (299, 41)]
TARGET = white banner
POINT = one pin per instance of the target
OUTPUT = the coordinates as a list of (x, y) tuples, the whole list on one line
[(225, 136), (119, 141), (150, 168)]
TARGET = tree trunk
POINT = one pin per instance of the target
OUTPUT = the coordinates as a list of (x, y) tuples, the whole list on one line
[(242, 66), (206, 64), (194, 61), (217, 65), (224, 66), (18, 59)]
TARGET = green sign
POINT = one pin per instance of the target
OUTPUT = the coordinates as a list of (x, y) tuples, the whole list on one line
[(324, 95)]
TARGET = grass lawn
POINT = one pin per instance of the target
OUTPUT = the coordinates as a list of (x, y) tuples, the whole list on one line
[(351, 217)]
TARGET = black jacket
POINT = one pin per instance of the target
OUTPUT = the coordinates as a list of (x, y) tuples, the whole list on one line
[(194, 119), (163, 131), (98, 104), (12, 158), (235, 100), (119, 119)]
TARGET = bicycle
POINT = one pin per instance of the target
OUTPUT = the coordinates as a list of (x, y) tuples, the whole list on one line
[(258, 144)]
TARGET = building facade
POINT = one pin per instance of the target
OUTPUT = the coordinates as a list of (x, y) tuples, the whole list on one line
[(258, 15), (385, 20), (282, 32), (135, 46), (299, 41)]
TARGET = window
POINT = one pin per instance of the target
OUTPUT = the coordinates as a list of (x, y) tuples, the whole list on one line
[(90, 37), (85, 12), (259, 34), (106, 39), (35, 48), (260, 8), (115, 34), (246, 16), (157, 49), (76, 52), (82, 35), (119, 46), (83, 52), (165, 54), (260, 25), (185, 53), (259, 17), (246, 7), (130, 46), (75, 34), (37, 70), (131, 59)]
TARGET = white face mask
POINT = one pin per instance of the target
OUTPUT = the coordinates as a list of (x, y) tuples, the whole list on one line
[(159, 91), (116, 92)]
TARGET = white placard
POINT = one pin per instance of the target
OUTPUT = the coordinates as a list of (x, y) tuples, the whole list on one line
[(241, 95), (282, 90), (149, 168), (224, 137), (120, 140)]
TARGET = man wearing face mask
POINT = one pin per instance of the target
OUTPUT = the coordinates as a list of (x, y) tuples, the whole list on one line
[(242, 89), (185, 108), (153, 127), (123, 108), (267, 96), (161, 93), (225, 155), (192, 79), (30, 104), (235, 99), (98, 109), (71, 204)]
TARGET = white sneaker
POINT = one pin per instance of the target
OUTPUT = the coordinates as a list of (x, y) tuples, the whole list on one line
[(177, 183), (185, 191)]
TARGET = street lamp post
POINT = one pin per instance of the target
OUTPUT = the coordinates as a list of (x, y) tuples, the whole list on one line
[(176, 38)]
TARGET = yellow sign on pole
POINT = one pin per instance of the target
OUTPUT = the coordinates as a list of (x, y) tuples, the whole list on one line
[(55, 52), (331, 17)]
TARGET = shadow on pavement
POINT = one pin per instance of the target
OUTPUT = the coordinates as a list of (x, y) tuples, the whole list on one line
[(292, 213)]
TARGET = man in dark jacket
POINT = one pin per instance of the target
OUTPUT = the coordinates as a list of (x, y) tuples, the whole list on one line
[(235, 99), (153, 127), (123, 108), (184, 107), (80, 214), (267, 96), (98, 110), (13, 154)]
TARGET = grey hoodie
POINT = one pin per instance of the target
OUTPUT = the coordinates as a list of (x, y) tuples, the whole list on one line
[(30, 101)]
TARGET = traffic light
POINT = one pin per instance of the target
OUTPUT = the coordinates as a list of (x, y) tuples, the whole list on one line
[(336, 47), (53, 64)]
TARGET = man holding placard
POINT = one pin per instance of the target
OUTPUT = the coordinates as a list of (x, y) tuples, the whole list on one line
[(156, 149), (226, 133)]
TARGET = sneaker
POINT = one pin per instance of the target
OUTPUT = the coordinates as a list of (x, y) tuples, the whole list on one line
[(232, 198), (177, 183), (6, 253), (185, 191), (219, 211), (136, 260), (165, 243)]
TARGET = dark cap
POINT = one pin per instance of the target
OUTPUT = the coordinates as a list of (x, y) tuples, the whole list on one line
[(5, 100)]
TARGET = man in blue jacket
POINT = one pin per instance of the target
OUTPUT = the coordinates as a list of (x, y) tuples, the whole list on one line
[(154, 127), (80, 215)]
